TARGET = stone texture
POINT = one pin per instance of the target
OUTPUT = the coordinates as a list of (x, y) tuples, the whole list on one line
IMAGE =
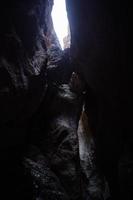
[(22, 58), (23, 61), (94, 184), (57, 141), (99, 53), (59, 68)]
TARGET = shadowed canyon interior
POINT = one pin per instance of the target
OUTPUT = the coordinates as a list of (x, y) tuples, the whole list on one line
[(64, 114)]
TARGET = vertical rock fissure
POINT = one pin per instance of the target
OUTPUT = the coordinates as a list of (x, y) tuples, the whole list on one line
[(61, 110)]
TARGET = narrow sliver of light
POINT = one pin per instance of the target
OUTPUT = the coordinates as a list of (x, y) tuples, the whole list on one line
[(60, 20)]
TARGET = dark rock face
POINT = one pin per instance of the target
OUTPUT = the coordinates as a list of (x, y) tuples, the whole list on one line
[(22, 57), (23, 60), (99, 52), (59, 67), (34, 107), (54, 163)]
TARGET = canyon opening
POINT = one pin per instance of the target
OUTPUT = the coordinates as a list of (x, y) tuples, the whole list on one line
[(60, 23)]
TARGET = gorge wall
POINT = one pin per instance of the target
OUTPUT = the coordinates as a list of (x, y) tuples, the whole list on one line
[(31, 61), (99, 53)]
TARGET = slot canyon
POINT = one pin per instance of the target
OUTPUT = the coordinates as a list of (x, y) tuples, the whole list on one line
[(64, 114)]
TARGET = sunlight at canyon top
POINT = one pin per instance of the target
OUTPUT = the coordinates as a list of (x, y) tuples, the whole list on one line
[(60, 22)]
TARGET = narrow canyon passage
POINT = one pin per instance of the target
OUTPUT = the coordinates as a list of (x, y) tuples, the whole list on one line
[(64, 114), (62, 162)]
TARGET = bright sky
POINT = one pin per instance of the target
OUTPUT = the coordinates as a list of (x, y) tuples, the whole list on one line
[(60, 21)]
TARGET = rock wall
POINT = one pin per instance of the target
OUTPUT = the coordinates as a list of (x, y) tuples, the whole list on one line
[(23, 60), (31, 62), (99, 53), (22, 57)]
